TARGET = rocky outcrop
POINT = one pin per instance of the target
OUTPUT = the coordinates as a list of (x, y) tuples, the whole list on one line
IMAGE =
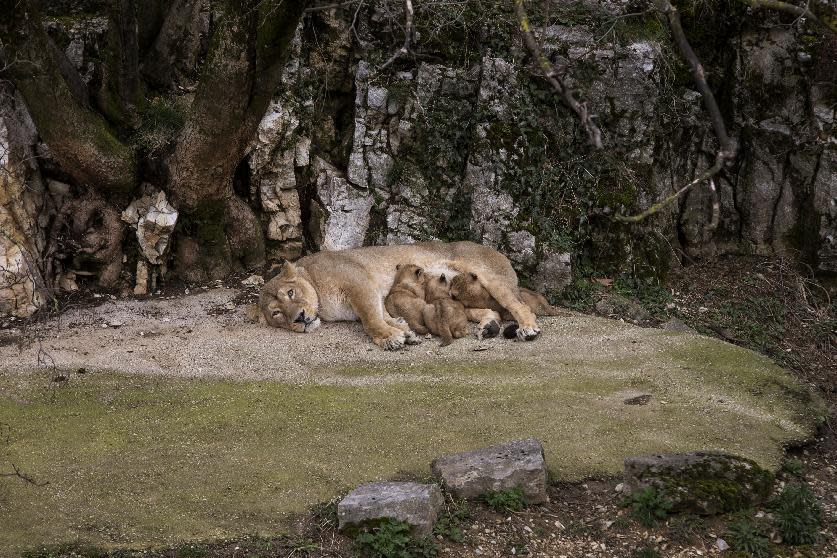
[(22, 200)]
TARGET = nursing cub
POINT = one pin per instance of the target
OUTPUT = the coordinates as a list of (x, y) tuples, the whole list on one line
[(443, 316), (425, 303)]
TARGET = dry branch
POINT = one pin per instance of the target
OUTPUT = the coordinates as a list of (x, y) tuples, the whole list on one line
[(555, 79), (792, 9), (21, 475), (728, 145), (409, 36)]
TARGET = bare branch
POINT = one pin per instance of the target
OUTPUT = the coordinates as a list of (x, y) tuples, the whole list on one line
[(792, 9), (728, 146), (409, 35), (21, 475), (706, 175), (554, 79)]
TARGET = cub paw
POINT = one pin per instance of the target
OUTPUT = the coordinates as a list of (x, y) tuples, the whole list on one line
[(491, 329), (510, 331), (528, 333), (392, 343)]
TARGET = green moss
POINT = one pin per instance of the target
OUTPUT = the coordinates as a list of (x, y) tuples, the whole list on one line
[(139, 460)]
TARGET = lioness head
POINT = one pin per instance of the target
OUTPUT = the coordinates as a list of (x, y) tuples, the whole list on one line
[(467, 289), (290, 301)]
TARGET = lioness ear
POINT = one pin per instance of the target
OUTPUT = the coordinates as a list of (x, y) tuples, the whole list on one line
[(288, 271), (473, 276)]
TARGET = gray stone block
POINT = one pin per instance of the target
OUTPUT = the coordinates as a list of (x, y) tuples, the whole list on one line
[(416, 504), (517, 464)]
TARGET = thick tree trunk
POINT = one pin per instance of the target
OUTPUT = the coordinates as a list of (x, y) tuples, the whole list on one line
[(241, 79), (79, 139)]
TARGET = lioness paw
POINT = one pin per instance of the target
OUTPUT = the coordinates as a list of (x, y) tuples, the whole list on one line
[(411, 338), (528, 333), (394, 342), (491, 329)]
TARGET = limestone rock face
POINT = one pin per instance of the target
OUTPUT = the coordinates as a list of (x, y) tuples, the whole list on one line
[(343, 212), (700, 482), (518, 464), (154, 219), (22, 205), (419, 505)]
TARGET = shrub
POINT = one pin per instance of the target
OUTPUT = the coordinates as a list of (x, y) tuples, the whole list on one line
[(392, 539), (505, 500), (449, 524), (797, 514), (746, 536), (649, 506)]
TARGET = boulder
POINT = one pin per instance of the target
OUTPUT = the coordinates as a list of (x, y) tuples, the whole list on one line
[(517, 464), (706, 483), (417, 504)]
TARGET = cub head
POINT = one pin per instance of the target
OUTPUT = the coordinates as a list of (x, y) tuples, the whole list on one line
[(410, 277), (437, 287), (467, 289), (290, 301)]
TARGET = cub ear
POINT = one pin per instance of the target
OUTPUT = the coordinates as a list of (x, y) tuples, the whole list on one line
[(398, 267), (419, 271), (288, 271), (473, 276), (443, 279)]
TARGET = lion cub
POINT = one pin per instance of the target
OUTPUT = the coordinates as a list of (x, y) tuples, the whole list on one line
[(406, 297), (467, 288), (444, 316)]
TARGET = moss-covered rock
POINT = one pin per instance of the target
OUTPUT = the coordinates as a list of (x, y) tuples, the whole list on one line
[(701, 482)]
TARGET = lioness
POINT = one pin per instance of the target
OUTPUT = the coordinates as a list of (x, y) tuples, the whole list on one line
[(444, 316), (348, 285)]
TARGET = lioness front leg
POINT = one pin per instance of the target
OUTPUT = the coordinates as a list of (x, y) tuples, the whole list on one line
[(507, 297), (488, 321), (370, 311)]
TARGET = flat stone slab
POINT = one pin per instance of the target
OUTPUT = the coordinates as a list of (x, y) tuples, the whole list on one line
[(517, 464), (416, 504), (700, 482)]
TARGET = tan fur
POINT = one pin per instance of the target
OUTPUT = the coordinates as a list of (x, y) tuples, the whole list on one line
[(444, 316), (406, 297), (352, 284), (468, 289)]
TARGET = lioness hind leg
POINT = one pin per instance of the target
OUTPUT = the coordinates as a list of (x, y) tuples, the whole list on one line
[(488, 320), (508, 298)]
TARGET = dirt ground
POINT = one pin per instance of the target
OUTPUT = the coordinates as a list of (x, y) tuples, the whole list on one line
[(759, 304)]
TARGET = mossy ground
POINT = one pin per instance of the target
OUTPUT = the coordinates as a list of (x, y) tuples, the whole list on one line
[(134, 460)]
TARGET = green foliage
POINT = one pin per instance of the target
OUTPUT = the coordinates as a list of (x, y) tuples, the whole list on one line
[(648, 506), (686, 527), (393, 539), (650, 293), (793, 467), (505, 500), (190, 551), (797, 514), (449, 525), (646, 552), (747, 536), (160, 120)]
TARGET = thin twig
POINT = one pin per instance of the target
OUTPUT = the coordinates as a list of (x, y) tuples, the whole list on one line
[(792, 9), (409, 34), (554, 79), (21, 475), (709, 173)]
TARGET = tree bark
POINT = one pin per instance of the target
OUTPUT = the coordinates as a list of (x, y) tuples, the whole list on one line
[(79, 139)]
